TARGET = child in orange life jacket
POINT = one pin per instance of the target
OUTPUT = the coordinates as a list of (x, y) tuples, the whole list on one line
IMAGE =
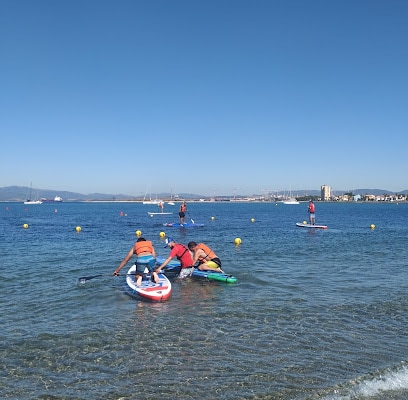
[(145, 261), (204, 258), (311, 209)]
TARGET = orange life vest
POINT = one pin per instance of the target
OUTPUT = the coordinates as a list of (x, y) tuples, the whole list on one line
[(144, 246), (209, 254), (311, 208)]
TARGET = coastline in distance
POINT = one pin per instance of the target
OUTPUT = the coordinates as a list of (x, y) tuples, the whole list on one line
[(19, 194)]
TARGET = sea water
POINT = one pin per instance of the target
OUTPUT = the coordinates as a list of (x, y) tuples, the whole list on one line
[(315, 314)]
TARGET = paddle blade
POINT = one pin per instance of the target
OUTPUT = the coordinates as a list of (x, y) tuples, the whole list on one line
[(84, 279)]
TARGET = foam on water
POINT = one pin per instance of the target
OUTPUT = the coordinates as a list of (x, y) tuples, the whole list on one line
[(391, 383)]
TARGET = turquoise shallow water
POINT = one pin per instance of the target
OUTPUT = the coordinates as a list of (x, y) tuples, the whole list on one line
[(314, 314)]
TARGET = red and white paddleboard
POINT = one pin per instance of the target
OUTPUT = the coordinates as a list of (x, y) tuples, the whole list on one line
[(148, 290)]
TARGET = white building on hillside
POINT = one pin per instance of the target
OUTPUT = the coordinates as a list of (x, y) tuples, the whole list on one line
[(325, 192)]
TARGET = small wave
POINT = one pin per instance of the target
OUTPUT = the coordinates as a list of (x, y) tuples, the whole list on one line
[(380, 385)]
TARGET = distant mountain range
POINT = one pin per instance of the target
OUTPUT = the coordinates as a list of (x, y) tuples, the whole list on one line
[(21, 193)]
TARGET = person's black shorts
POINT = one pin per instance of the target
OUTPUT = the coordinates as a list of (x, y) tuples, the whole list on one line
[(216, 261)]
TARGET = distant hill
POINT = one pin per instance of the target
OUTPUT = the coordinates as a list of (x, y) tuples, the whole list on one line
[(21, 193), (376, 192)]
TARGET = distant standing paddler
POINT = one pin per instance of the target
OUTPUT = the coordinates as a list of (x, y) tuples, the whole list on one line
[(182, 213), (311, 209)]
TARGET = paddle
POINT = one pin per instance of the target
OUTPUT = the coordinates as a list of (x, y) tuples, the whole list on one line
[(84, 279), (171, 271), (173, 267), (191, 219), (170, 267)]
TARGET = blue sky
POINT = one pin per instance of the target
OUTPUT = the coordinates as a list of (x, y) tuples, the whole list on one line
[(207, 97)]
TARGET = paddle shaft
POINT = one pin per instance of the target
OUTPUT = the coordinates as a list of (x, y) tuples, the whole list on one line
[(191, 219), (88, 278)]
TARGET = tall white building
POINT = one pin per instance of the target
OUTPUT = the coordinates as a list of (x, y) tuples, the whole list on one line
[(325, 192)]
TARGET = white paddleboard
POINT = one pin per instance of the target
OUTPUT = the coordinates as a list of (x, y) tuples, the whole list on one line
[(300, 225), (159, 213)]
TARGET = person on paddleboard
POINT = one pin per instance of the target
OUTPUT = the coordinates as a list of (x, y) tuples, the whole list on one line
[(161, 206), (183, 255), (145, 260), (311, 210), (204, 258), (182, 212)]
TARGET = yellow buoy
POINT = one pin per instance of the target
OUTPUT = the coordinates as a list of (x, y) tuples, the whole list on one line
[(162, 234), (237, 241), (252, 219), (138, 233), (25, 226), (372, 226), (78, 229), (212, 218)]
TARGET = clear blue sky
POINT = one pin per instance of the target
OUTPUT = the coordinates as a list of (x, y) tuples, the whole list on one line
[(203, 96)]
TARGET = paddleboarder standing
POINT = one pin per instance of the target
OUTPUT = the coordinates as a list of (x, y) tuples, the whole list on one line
[(182, 212), (161, 206), (311, 210)]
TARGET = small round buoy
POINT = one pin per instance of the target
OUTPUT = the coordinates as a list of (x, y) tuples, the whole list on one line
[(151, 215), (162, 234), (252, 219), (304, 222), (25, 226), (212, 218), (237, 241), (372, 226), (138, 233), (78, 229)]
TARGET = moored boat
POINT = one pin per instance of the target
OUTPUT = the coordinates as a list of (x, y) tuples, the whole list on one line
[(56, 199), (291, 200), (28, 201)]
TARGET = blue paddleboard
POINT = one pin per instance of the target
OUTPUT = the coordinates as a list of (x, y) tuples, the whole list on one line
[(211, 275)]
